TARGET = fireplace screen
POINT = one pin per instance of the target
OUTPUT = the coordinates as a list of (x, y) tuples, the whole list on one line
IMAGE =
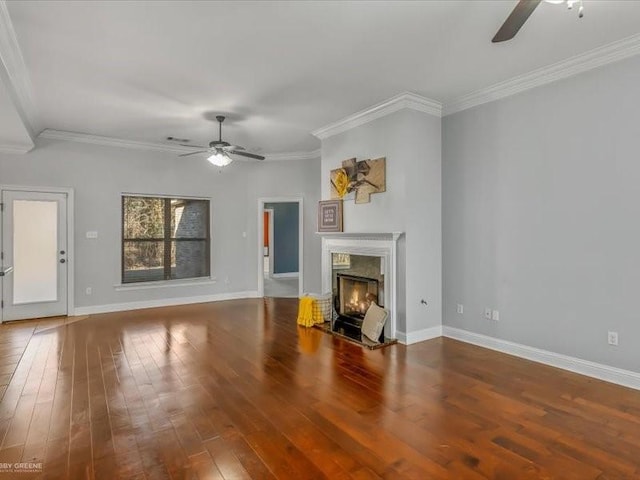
[(355, 295)]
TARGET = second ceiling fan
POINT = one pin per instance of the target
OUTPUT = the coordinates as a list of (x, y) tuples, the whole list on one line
[(521, 13), (220, 149)]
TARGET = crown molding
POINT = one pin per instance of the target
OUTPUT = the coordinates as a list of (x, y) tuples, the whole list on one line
[(110, 141), (595, 58), (313, 154), (16, 73), (162, 147), (14, 148), (404, 100)]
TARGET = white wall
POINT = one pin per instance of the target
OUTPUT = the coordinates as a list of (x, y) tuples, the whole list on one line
[(541, 206), (99, 174), (410, 141)]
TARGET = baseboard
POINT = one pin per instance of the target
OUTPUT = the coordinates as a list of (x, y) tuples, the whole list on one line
[(163, 302), (286, 275), (619, 376), (419, 336)]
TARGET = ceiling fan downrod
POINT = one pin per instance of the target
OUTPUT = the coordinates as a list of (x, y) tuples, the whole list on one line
[(220, 119)]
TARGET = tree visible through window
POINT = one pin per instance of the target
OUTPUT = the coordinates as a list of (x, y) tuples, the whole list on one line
[(164, 238)]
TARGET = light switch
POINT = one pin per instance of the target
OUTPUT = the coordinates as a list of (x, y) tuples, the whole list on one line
[(92, 234)]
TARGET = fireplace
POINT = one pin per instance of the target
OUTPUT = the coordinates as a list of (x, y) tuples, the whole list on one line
[(355, 295), (369, 255)]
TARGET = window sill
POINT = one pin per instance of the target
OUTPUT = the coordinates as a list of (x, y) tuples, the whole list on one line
[(164, 284)]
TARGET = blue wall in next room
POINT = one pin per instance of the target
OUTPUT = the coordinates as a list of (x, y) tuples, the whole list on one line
[(285, 236)]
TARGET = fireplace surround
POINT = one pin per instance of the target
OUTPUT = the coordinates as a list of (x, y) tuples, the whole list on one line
[(382, 245)]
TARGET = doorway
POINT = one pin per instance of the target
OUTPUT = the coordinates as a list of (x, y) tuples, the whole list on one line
[(35, 241), (280, 265), (267, 235)]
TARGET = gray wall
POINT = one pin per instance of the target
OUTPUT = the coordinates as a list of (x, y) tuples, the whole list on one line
[(541, 206), (411, 143), (99, 174), (296, 180), (285, 237)]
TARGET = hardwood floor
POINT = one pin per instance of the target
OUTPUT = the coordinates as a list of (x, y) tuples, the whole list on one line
[(235, 390)]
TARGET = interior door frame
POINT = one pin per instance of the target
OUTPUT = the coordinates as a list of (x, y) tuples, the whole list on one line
[(260, 241), (70, 257), (271, 242)]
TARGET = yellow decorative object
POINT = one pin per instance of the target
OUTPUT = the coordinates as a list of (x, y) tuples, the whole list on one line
[(341, 182), (314, 309), (305, 312)]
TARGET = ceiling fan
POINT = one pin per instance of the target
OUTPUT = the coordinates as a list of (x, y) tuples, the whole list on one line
[(521, 13), (220, 150)]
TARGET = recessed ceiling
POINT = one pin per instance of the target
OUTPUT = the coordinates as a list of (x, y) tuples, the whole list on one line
[(148, 70)]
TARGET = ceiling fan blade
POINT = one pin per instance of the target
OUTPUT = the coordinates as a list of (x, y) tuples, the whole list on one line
[(233, 147), (246, 154), (192, 153), (194, 146), (219, 144), (515, 20)]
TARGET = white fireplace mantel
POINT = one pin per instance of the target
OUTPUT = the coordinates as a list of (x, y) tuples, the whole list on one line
[(363, 235), (378, 244)]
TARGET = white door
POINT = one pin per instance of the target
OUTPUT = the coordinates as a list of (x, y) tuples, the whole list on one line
[(33, 264)]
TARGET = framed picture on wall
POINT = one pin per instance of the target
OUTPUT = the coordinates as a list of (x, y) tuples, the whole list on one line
[(330, 216)]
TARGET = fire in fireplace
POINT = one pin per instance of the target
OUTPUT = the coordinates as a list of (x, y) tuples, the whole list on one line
[(355, 295)]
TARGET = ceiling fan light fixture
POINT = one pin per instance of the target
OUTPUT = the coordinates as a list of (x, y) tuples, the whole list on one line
[(220, 159)]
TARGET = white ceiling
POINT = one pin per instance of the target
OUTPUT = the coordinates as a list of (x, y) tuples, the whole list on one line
[(141, 70)]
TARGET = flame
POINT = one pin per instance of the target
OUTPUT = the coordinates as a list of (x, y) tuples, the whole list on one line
[(355, 303)]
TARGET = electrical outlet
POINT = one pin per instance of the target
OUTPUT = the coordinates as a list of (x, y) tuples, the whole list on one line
[(460, 308), (487, 313), (612, 338), (88, 291), (227, 280), (495, 315)]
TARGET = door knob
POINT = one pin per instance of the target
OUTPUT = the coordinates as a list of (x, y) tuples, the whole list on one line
[(62, 252), (62, 260), (6, 271)]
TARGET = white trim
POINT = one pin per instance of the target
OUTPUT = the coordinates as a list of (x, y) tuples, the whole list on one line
[(20, 149), (124, 287), (576, 365), (410, 338), (13, 65), (163, 302), (363, 235), (404, 100), (286, 156), (271, 240), (70, 235), (383, 245), (595, 58), (260, 243), (111, 141), (177, 196), (79, 137), (286, 275)]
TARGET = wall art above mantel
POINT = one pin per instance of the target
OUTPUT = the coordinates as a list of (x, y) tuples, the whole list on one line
[(358, 179)]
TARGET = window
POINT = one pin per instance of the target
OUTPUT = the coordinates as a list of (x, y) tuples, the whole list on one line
[(164, 238)]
